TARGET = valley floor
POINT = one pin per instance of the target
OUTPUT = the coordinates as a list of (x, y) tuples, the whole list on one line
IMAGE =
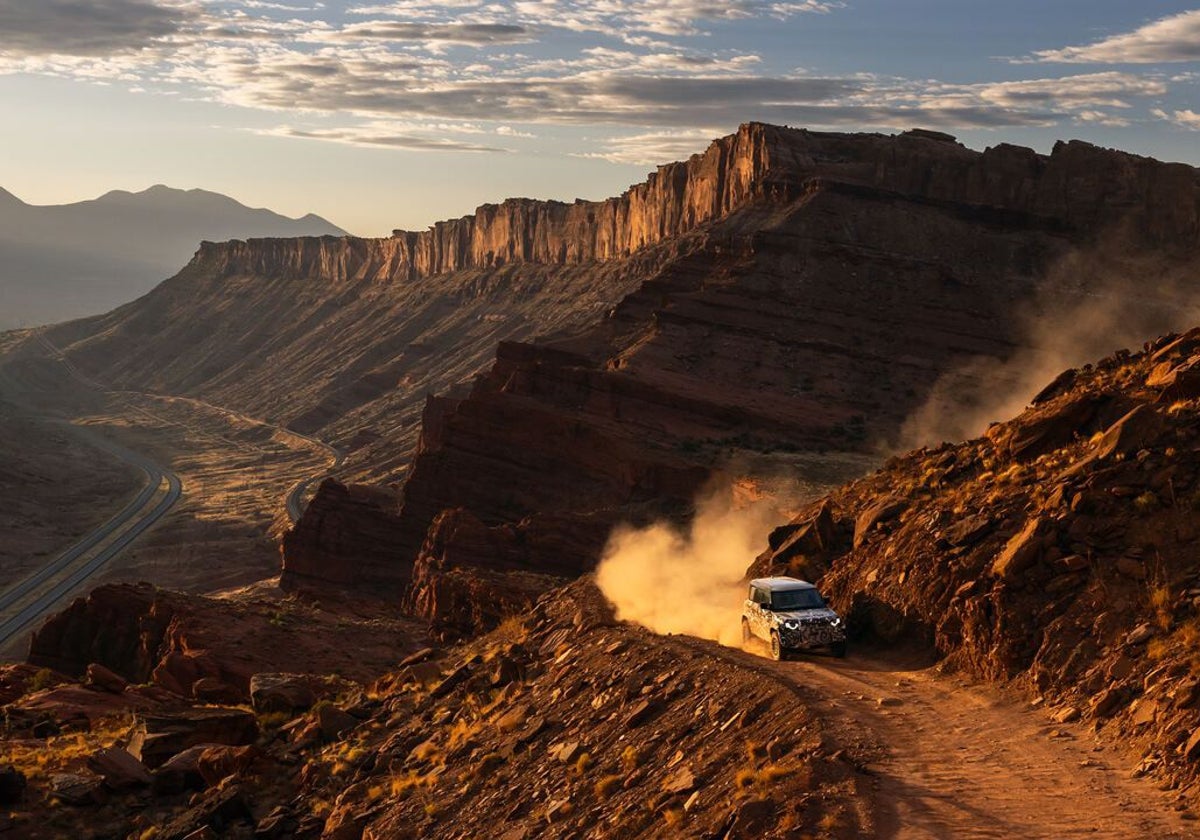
[(953, 759)]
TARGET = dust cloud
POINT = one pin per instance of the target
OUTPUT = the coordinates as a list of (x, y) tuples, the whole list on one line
[(1095, 304), (690, 581)]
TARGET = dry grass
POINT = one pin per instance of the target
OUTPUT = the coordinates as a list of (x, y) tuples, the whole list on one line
[(427, 751), (1160, 605), (608, 785), (762, 779), (403, 786), (631, 759), (461, 732), (64, 753), (511, 630)]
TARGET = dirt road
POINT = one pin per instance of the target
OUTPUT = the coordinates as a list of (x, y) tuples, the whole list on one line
[(958, 760)]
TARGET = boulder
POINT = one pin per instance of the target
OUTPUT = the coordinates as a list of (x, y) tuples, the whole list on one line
[(875, 515), (219, 762), (334, 722), (158, 737), (181, 772), (287, 693), (97, 676), (215, 690), (1020, 553), (119, 769), (77, 789)]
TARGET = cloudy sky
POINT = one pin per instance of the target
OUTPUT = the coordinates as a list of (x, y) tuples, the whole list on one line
[(381, 114)]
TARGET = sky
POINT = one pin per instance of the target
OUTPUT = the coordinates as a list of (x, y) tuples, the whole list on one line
[(380, 115)]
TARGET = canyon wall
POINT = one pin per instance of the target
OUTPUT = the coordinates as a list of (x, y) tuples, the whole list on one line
[(1079, 186), (817, 315)]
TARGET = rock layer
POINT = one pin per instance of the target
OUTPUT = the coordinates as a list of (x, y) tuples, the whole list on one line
[(818, 314)]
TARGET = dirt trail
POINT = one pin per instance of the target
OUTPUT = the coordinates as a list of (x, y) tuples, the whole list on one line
[(959, 760)]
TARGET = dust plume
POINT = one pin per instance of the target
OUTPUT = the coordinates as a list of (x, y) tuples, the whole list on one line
[(690, 581), (1092, 305)]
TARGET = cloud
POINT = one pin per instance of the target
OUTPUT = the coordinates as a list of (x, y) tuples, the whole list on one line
[(656, 146), (380, 135), (394, 75), (87, 27), (458, 33), (1184, 119), (1170, 39)]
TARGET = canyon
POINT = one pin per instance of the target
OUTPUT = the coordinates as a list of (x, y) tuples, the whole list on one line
[(503, 390)]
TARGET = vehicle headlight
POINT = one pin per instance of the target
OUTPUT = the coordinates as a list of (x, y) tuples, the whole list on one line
[(791, 624), (836, 621)]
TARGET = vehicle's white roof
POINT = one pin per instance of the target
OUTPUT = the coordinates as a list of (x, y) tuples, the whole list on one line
[(779, 584)]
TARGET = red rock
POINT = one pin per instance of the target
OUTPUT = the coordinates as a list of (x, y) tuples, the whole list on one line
[(1191, 749), (158, 737), (288, 693), (216, 763), (215, 690), (334, 722), (1020, 553), (77, 789), (345, 538), (119, 769), (875, 515), (100, 677)]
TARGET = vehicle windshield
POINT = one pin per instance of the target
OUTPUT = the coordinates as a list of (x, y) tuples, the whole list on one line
[(796, 599)]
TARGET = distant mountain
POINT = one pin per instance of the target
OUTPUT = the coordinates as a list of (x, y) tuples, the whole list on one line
[(65, 261)]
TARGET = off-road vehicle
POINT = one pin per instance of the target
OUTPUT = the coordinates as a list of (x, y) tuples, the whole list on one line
[(790, 614)]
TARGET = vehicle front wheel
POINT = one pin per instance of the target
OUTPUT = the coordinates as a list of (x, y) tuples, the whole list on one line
[(776, 646), (838, 649), (746, 634)]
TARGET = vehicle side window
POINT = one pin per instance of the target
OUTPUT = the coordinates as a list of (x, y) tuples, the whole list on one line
[(759, 596)]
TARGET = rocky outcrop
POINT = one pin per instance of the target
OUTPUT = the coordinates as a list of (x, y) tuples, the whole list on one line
[(1073, 573), (816, 314), (210, 648), (561, 720), (346, 537)]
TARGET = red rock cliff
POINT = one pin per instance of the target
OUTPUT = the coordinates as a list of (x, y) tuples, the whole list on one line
[(1079, 185)]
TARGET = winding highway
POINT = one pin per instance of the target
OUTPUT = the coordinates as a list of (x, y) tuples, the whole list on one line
[(27, 600), (295, 498), (46, 587)]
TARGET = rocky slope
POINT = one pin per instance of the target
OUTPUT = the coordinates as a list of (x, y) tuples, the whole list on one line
[(1057, 552), (820, 313), (561, 724)]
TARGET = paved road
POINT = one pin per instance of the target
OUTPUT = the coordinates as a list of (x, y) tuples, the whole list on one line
[(130, 522), (295, 499)]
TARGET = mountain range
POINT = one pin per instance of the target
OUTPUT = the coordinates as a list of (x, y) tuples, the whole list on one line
[(59, 262)]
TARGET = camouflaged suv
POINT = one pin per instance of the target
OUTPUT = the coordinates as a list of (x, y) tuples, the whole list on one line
[(790, 614)]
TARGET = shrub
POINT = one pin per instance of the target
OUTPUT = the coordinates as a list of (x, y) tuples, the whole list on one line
[(608, 785), (631, 758), (43, 679), (1145, 502)]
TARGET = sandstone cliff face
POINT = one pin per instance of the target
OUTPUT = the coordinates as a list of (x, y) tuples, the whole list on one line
[(818, 314), (676, 199), (1078, 186)]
